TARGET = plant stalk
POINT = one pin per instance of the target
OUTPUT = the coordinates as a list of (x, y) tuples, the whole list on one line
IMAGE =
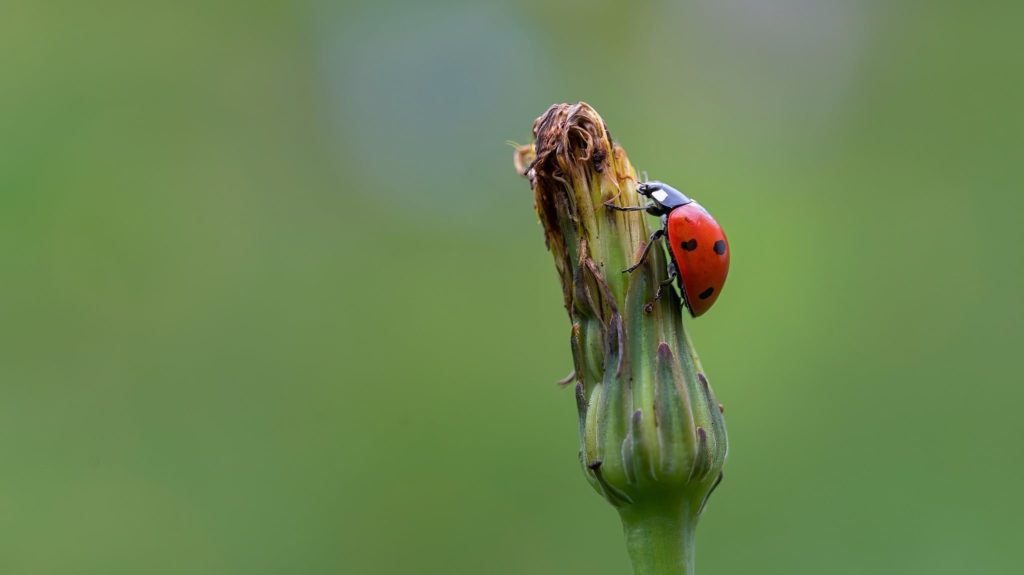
[(660, 538)]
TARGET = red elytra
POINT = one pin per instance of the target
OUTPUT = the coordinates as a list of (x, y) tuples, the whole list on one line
[(701, 253)]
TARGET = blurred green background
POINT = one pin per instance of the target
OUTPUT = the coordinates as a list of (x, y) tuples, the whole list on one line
[(272, 299)]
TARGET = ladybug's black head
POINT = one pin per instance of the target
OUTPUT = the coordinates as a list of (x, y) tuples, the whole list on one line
[(646, 188), (663, 194)]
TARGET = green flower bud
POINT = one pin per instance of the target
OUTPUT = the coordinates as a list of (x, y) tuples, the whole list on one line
[(652, 435)]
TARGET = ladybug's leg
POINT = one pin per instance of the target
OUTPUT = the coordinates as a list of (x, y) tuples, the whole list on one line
[(647, 249), (672, 275), (626, 209)]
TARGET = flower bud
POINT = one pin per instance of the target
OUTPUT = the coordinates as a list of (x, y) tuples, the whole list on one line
[(652, 435)]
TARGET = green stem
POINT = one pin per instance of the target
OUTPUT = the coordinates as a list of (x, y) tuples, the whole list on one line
[(660, 537)]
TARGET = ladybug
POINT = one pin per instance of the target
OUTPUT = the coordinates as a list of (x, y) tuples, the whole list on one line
[(700, 252)]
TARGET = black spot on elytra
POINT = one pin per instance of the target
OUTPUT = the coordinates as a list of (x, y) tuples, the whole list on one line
[(720, 247), (689, 245), (706, 293)]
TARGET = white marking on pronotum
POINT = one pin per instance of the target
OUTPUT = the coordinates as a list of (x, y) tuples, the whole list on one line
[(659, 195)]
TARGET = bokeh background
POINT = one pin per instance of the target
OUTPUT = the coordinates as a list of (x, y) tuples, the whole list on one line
[(272, 299)]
